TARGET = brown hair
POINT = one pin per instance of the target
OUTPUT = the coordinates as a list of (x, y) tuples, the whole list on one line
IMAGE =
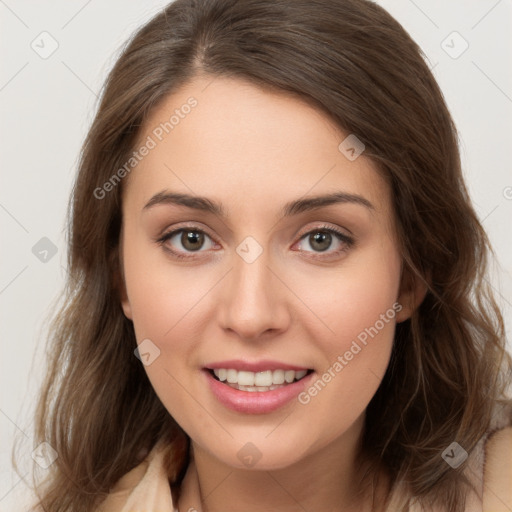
[(97, 408)]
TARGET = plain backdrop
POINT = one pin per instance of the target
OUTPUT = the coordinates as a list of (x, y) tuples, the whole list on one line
[(47, 103)]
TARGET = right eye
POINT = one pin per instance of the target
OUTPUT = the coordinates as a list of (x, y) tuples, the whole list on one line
[(191, 239)]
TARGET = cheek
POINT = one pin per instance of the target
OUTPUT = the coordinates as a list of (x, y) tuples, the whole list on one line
[(356, 299), (161, 295), (358, 308), (166, 305)]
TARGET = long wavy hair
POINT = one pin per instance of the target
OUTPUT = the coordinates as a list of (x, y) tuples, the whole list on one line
[(355, 62)]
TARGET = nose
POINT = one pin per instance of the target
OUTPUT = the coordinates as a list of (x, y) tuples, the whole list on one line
[(254, 299)]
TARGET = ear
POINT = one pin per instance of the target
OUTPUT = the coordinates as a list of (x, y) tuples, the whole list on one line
[(119, 280), (125, 303), (413, 289)]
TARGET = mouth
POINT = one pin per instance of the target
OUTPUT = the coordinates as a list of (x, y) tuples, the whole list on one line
[(262, 381)]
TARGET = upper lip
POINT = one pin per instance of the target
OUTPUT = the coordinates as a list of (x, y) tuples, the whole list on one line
[(254, 366)]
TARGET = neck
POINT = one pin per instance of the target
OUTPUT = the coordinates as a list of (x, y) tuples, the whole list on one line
[(332, 478)]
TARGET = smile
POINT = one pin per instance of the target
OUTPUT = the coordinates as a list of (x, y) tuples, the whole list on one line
[(258, 392), (262, 381)]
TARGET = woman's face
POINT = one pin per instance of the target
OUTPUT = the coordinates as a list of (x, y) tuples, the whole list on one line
[(260, 283)]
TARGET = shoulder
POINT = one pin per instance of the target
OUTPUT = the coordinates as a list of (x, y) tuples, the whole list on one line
[(119, 494), (497, 495), (146, 482), (489, 470)]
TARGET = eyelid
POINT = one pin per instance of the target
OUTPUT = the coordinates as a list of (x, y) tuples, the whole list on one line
[(181, 227), (326, 227)]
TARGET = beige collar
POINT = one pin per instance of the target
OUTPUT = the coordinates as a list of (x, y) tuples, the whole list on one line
[(146, 487)]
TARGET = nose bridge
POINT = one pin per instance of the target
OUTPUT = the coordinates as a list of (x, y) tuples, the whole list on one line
[(252, 302)]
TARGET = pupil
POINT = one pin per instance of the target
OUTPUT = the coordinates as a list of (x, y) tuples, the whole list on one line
[(321, 237), (190, 240)]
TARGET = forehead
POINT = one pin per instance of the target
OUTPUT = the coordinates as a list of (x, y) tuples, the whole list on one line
[(249, 148)]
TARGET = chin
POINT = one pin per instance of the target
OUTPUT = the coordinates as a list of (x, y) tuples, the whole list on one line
[(263, 454)]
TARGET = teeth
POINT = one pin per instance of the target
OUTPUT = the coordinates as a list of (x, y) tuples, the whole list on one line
[(232, 376), (278, 377), (254, 380)]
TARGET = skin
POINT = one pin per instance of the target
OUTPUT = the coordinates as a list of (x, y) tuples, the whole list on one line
[(253, 151)]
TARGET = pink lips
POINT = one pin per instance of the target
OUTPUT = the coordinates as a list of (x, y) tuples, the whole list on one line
[(256, 402)]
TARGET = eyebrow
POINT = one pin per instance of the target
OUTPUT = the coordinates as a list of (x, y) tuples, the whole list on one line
[(291, 208)]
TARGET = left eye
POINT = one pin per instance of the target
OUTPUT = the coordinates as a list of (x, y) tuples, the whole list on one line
[(321, 240)]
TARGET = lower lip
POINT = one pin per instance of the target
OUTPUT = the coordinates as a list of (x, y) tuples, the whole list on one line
[(256, 402)]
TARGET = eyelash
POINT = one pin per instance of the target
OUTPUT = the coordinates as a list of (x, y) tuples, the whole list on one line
[(342, 237)]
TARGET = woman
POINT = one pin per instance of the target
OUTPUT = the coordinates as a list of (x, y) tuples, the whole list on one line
[(277, 295)]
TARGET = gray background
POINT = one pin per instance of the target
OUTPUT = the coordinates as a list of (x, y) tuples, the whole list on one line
[(46, 107)]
